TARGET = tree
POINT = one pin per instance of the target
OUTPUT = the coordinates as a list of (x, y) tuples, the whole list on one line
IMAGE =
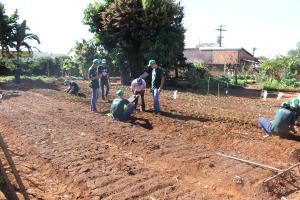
[(13, 36), (20, 38), (142, 29), (7, 24), (83, 54), (45, 66)]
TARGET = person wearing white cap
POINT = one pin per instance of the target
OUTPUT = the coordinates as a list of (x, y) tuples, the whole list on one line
[(103, 71), (138, 87)]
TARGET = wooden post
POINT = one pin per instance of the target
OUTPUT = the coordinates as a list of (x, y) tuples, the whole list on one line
[(208, 85), (218, 89), (13, 168)]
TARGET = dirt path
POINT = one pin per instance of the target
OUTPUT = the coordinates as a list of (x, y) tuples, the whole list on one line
[(65, 152)]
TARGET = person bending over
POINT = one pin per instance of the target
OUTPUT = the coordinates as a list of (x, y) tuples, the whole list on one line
[(138, 87)]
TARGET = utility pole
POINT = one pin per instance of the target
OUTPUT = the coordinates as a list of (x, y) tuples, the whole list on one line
[(220, 29)]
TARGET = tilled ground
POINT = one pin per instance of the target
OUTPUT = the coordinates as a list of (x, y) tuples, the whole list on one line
[(63, 151)]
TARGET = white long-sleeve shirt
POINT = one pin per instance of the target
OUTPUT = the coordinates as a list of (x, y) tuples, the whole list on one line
[(136, 87)]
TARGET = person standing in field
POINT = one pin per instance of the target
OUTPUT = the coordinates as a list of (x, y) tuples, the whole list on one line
[(103, 71), (138, 87), (94, 83), (157, 82), (17, 74)]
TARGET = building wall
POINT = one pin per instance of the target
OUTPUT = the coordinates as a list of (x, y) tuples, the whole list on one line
[(245, 55), (225, 57)]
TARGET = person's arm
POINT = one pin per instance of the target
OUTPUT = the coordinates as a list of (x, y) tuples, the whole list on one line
[(107, 75), (144, 75), (132, 86), (144, 85), (162, 82)]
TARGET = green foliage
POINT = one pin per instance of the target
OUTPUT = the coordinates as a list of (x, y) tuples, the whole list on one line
[(14, 37), (5, 79), (196, 72), (140, 29), (44, 66), (199, 77), (84, 53)]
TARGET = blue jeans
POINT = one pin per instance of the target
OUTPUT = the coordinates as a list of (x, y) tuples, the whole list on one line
[(265, 124), (155, 95), (128, 111), (95, 95)]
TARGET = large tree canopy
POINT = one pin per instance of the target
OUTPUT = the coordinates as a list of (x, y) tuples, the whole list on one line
[(142, 29), (14, 36)]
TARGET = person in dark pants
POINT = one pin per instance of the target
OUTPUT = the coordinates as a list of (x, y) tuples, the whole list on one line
[(73, 87), (121, 108), (104, 78), (138, 87), (17, 74), (94, 83), (282, 124)]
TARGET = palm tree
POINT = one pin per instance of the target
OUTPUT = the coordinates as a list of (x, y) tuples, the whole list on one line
[(20, 38)]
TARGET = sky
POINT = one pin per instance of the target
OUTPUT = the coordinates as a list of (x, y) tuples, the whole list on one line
[(270, 26)]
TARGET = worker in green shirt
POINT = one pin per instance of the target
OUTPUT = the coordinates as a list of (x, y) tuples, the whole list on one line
[(283, 122), (157, 82), (94, 83), (121, 108)]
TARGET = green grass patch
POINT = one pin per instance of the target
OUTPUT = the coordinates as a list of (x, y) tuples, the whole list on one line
[(278, 86), (5, 79)]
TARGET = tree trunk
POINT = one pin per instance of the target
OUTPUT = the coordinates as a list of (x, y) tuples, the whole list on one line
[(176, 72), (136, 64)]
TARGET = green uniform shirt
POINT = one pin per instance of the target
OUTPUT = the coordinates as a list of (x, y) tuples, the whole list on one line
[(92, 73), (157, 75), (104, 71), (117, 107), (283, 119)]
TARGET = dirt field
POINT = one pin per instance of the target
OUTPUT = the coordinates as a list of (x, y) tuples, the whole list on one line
[(64, 151)]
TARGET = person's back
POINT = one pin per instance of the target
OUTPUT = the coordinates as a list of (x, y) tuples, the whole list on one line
[(117, 107), (283, 120)]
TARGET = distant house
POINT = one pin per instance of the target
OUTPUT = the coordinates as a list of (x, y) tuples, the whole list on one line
[(216, 58)]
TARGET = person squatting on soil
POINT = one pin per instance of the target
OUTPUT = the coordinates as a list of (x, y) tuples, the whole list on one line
[(283, 122), (103, 71), (157, 82), (121, 108), (73, 87), (138, 87), (94, 83)]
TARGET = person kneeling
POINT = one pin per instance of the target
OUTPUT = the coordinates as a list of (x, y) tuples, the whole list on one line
[(121, 108), (283, 122), (73, 87)]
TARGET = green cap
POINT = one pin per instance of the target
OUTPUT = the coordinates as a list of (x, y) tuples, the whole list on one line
[(286, 104), (295, 103), (96, 62), (120, 92), (151, 62)]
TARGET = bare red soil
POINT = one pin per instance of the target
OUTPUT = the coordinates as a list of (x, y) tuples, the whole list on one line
[(64, 151)]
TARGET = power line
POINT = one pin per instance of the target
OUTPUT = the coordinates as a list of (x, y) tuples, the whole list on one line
[(220, 29)]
